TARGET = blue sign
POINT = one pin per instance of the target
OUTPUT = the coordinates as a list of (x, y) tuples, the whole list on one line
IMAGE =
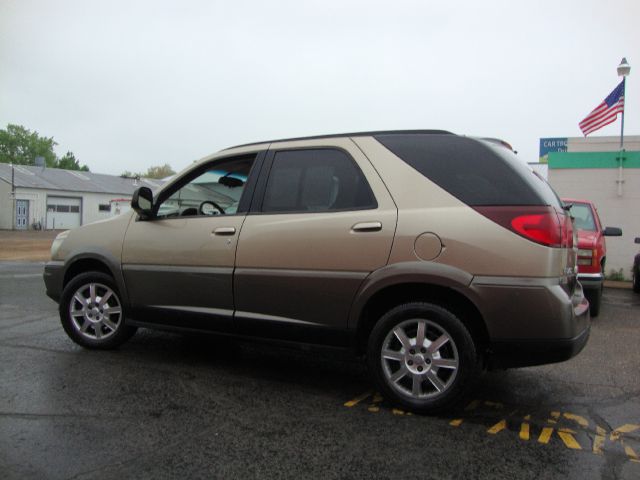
[(552, 145)]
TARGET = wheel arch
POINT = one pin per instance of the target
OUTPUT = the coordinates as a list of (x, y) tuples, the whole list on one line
[(443, 285), (97, 262)]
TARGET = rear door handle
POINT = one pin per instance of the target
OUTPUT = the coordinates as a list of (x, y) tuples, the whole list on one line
[(367, 227), (224, 231)]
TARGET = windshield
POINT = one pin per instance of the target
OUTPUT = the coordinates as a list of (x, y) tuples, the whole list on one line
[(583, 217)]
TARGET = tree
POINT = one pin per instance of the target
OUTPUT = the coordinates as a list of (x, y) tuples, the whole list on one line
[(21, 146), (158, 171), (69, 162)]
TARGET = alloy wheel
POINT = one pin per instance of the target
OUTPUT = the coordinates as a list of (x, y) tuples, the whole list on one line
[(95, 311), (419, 359)]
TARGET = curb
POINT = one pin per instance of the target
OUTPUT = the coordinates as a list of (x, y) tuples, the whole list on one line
[(617, 284)]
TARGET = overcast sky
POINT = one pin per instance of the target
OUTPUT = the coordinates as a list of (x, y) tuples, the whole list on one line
[(130, 84)]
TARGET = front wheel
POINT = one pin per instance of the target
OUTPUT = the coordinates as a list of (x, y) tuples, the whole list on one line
[(422, 357), (92, 313), (595, 300)]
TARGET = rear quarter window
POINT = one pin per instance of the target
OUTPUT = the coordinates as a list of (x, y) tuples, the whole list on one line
[(478, 173)]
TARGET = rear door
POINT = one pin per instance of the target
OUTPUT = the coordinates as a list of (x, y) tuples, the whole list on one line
[(321, 221)]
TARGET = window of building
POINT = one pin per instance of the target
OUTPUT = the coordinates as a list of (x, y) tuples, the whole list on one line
[(104, 207)]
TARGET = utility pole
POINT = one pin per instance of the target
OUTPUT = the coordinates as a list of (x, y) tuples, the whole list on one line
[(13, 199)]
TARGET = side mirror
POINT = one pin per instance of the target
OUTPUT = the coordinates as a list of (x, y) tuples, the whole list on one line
[(612, 232), (637, 240), (142, 202)]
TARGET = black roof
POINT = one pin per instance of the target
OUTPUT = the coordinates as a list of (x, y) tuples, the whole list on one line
[(352, 134)]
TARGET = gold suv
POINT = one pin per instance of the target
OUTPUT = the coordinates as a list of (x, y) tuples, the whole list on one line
[(434, 254)]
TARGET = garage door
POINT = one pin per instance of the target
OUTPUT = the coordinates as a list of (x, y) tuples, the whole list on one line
[(63, 212)]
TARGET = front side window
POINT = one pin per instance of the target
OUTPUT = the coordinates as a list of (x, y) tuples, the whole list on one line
[(213, 190), (316, 180)]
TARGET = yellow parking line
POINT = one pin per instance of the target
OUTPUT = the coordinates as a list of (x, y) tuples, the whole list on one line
[(545, 435), (598, 441), (524, 428), (357, 400), (569, 440), (498, 427)]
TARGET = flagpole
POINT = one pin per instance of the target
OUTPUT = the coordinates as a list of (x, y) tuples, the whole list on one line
[(624, 86), (623, 71)]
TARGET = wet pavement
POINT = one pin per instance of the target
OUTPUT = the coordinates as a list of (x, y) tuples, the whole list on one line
[(168, 405)]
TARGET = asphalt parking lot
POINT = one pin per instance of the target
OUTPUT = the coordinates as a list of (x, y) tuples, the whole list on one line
[(168, 405)]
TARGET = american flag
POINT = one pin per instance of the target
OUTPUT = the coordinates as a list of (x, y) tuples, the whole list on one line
[(606, 112)]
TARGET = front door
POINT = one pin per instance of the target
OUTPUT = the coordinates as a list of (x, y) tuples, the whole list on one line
[(178, 265), (22, 214)]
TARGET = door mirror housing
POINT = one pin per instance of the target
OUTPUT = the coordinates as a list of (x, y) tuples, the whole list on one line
[(142, 202), (612, 232)]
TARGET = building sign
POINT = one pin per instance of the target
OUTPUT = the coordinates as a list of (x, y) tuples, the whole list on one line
[(551, 145)]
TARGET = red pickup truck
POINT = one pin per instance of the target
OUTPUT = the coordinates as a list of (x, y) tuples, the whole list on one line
[(592, 249)]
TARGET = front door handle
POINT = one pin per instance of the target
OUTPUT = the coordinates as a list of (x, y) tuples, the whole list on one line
[(367, 227), (224, 231)]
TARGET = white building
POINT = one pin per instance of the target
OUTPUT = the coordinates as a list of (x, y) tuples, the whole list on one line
[(51, 198), (592, 169)]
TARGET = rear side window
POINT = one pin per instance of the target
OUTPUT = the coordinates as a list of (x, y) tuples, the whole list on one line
[(476, 172), (316, 180)]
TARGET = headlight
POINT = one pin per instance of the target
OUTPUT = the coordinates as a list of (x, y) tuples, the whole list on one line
[(57, 242)]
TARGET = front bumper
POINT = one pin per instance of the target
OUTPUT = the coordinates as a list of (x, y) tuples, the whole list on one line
[(53, 279), (591, 281)]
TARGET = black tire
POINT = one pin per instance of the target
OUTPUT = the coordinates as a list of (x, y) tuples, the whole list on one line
[(636, 281), (98, 321), (595, 300), (459, 349)]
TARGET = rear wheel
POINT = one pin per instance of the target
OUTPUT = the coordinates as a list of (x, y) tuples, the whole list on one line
[(422, 357), (636, 280), (92, 313)]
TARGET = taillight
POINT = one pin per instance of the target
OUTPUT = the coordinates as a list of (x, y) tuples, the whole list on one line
[(543, 225)]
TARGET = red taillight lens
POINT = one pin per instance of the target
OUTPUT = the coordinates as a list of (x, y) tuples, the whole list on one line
[(541, 228), (542, 225)]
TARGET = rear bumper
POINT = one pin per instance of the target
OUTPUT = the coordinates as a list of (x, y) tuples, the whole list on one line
[(527, 353), (532, 321)]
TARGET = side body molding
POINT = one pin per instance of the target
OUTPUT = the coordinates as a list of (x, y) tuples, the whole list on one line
[(415, 272)]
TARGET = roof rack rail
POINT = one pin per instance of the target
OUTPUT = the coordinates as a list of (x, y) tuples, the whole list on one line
[(352, 134)]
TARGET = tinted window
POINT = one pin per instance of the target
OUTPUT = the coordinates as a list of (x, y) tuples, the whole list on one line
[(476, 172), (316, 181)]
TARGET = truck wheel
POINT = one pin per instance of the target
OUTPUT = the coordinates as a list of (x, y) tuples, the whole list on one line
[(422, 357), (91, 312), (595, 299)]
